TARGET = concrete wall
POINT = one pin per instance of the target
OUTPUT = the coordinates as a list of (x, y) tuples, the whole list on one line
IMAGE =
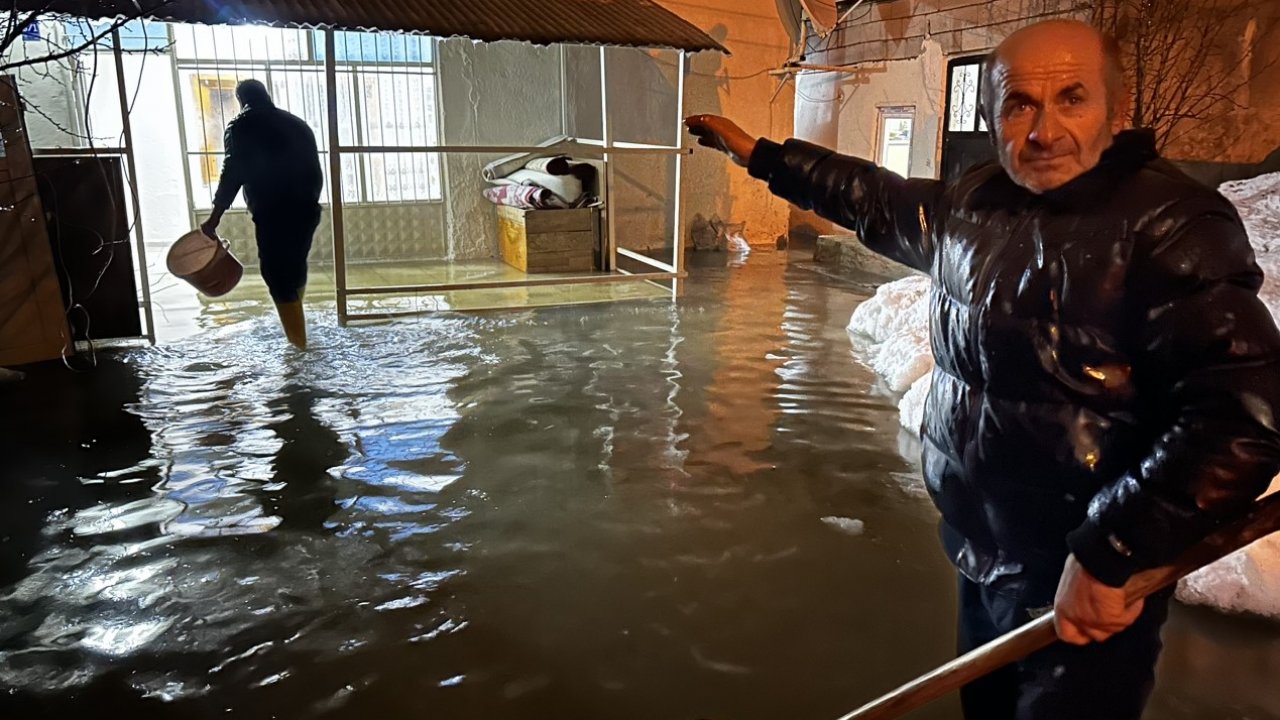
[(157, 146), (739, 87), (819, 98), (504, 93), (842, 111), (897, 30), (642, 92), (918, 83), (1243, 131)]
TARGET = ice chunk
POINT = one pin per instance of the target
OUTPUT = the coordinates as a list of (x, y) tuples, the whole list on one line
[(848, 526)]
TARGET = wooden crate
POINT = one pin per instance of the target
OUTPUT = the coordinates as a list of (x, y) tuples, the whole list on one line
[(549, 241)]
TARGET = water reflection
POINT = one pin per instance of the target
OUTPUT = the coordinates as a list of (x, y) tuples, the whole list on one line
[(627, 512), (302, 493), (739, 424)]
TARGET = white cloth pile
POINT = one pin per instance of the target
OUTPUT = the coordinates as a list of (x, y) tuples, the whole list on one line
[(543, 180)]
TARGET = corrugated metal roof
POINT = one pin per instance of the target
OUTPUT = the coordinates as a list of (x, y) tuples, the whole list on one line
[(636, 23)]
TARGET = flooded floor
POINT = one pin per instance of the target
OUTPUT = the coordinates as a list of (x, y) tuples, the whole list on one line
[(643, 510)]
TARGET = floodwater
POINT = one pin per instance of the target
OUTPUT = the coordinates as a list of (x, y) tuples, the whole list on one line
[(647, 510)]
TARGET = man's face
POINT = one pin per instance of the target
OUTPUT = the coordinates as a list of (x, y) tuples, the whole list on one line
[(1051, 110)]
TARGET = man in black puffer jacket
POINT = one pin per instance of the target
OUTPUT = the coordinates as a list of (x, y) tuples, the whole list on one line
[(1106, 386)]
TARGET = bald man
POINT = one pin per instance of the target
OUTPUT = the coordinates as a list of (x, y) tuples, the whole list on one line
[(1106, 384)]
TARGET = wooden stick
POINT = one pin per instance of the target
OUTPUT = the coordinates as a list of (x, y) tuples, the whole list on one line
[(1262, 520)]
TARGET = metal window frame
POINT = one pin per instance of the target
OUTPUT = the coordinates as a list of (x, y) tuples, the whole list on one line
[(667, 276), (125, 149), (309, 64), (952, 65), (895, 111)]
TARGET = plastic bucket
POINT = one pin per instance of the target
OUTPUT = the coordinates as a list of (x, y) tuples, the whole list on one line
[(205, 263)]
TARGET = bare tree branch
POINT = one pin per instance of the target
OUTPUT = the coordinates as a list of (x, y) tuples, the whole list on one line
[(16, 28), (43, 11), (1183, 59)]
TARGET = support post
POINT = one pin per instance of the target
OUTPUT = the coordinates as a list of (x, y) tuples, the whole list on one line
[(677, 261), (132, 164), (335, 175), (606, 132)]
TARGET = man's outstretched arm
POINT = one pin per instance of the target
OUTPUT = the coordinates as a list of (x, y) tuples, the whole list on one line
[(229, 184), (893, 216)]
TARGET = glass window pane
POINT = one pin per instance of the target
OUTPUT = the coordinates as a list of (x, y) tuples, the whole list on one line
[(895, 144), (206, 171), (354, 46), (208, 104), (963, 98), (242, 43), (302, 92)]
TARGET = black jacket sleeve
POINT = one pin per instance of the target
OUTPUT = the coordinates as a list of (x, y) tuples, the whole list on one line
[(232, 177), (1207, 354), (892, 216)]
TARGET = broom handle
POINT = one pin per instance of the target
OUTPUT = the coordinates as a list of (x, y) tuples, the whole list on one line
[(1262, 520)]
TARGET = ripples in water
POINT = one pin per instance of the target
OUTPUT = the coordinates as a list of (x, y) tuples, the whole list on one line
[(629, 511)]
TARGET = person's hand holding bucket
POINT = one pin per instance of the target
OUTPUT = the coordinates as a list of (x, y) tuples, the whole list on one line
[(202, 259), (210, 229)]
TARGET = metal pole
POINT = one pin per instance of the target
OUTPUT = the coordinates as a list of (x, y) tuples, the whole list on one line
[(564, 92), (677, 262), (606, 136), (182, 126), (132, 164), (335, 176)]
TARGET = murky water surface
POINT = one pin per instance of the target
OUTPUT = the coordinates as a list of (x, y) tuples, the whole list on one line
[(649, 510)]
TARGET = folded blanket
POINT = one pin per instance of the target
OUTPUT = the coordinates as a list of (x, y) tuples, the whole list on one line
[(567, 187), (529, 197), (503, 167), (557, 165)]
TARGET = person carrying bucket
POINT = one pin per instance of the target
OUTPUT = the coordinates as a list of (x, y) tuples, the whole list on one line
[(273, 155)]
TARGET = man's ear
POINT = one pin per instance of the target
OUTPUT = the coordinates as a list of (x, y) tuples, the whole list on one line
[(1120, 116), (1119, 122)]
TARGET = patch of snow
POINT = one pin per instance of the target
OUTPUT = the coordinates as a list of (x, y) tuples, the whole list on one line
[(1246, 581), (894, 333), (911, 406), (895, 307), (1258, 202)]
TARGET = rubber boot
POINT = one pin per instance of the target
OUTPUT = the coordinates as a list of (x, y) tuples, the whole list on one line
[(294, 322)]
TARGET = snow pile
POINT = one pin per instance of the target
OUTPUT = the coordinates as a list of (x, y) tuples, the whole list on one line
[(1258, 202), (892, 329), (1270, 292)]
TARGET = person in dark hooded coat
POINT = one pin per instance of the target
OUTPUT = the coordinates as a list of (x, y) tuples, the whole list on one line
[(273, 156)]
